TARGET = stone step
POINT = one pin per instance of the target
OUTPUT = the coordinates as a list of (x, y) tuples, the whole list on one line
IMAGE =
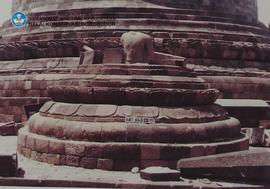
[(137, 96), (105, 123), (240, 87), (190, 48), (248, 111), (251, 165), (8, 165), (116, 156)]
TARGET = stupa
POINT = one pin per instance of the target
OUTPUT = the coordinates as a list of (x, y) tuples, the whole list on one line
[(116, 116)]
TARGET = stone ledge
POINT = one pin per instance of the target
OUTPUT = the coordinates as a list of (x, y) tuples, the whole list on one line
[(160, 174), (232, 46), (238, 87), (138, 96), (134, 132), (249, 165), (110, 113), (112, 154), (64, 176)]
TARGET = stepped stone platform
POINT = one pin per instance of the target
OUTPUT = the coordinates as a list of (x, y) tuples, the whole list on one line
[(38, 174), (224, 43), (226, 36), (114, 116), (111, 117)]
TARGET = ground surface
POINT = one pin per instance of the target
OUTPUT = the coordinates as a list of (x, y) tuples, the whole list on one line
[(40, 172)]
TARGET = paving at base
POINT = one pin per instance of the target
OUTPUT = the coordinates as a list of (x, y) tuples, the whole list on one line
[(42, 174)]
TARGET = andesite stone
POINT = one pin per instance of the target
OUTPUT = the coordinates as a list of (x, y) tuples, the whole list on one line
[(234, 48), (8, 165), (249, 111), (256, 136), (87, 56), (250, 165), (145, 112), (7, 129), (160, 174)]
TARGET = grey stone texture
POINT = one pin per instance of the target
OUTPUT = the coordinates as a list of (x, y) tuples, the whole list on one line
[(119, 156), (87, 55), (8, 164), (251, 165), (160, 174)]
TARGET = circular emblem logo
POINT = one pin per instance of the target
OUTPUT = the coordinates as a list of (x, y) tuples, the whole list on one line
[(19, 19)]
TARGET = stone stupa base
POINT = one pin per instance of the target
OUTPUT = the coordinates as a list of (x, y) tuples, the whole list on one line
[(120, 116), (119, 138)]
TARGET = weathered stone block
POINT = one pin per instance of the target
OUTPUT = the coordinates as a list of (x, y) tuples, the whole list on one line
[(89, 163), (210, 149), (74, 149), (62, 160), (42, 146), (112, 151), (256, 136), (196, 151), (57, 148), (105, 164), (16, 93), (72, 161), (112, 133), (150, 151), (244, 165), (30, 143), (42, 157), (26, 152), (87, 57), (54, 159), (131, 152), (93, 151), (160, 174), (7, 129)]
